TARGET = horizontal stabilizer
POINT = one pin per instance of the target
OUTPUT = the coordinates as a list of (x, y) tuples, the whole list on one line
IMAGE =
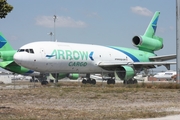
[(163, 57), (3, 64)]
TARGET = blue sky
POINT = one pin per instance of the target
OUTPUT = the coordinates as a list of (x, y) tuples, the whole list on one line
[(103, 22)]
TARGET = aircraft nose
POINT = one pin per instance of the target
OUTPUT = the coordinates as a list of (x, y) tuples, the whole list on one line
[(18, 58)]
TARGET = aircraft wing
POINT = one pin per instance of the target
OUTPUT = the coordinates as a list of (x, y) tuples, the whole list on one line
[(138, 64), (163, 57)]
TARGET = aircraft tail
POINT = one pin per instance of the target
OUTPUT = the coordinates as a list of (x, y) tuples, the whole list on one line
[(6, 50), (4, 45), (149, 42)]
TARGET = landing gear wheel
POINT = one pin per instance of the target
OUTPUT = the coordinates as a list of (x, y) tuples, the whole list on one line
[(89, 80), (93, 81), (135, 81), (44, 82), (84, 81), (108, 82), (111, 81)]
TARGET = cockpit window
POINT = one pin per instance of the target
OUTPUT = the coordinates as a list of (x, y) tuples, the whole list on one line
[(31, 50), (21, 50), (26, 50)]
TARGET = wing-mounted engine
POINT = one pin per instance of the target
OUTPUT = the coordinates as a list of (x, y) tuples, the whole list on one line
[(125, 72), (147, 43), (7, 55), (73, 76)]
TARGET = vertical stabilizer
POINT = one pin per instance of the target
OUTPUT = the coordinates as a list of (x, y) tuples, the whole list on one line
[(4, 45), (151, 29)]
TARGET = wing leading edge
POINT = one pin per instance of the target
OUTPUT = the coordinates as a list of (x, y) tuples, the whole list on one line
[(109, 64), (163, 57)]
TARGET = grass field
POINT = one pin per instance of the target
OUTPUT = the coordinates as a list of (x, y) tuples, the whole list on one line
[(74, 101)]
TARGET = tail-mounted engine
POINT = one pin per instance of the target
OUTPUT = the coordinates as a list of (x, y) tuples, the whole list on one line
[(147, 43)]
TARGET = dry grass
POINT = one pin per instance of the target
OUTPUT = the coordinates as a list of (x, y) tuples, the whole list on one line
[(74, 101)]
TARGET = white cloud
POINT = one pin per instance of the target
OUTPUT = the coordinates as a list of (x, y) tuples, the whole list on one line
[(93, 15), (161, 29), (61, 21), (171, 27), (141, 11), (13, 38)]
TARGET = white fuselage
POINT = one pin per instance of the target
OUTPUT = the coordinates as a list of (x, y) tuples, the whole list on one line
[(62, 57)]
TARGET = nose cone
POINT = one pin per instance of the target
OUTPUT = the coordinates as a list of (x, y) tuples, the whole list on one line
[(18, 58)]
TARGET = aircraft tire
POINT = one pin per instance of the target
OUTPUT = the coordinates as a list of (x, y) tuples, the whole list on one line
[(135, 81), (108, 82), (44, 82), (93, 81), (89, 80), (113, 81), (84, 81)]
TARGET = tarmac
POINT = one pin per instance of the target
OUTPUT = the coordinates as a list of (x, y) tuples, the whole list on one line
[(172, 117)]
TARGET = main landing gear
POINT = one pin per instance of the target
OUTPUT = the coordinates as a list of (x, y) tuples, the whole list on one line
[(89, 80), (111, 81), (130, 81)]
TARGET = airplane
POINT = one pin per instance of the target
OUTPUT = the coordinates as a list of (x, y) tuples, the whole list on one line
[(7, 63), (118, 62), (18, 77), (168, 75)]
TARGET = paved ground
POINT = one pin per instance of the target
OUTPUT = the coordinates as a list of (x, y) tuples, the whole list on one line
[(172, 117), (74, 101)]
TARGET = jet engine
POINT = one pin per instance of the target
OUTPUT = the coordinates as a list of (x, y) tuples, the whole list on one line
[(73, 76), (7, 55), (125, 72), (148, 43)]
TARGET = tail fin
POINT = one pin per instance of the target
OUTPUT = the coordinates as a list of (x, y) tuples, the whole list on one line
[(4, 44), (151, 29), (149, 42)]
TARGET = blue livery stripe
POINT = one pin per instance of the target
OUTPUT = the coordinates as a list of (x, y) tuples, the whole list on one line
[(90, 56), (28, 72), (50, 56), (128, 54), (154, 24), (2, 42)]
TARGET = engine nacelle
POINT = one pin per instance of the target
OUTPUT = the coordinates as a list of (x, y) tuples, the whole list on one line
[(125, 72), (73, 76), (148, 43), (7, 55)]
